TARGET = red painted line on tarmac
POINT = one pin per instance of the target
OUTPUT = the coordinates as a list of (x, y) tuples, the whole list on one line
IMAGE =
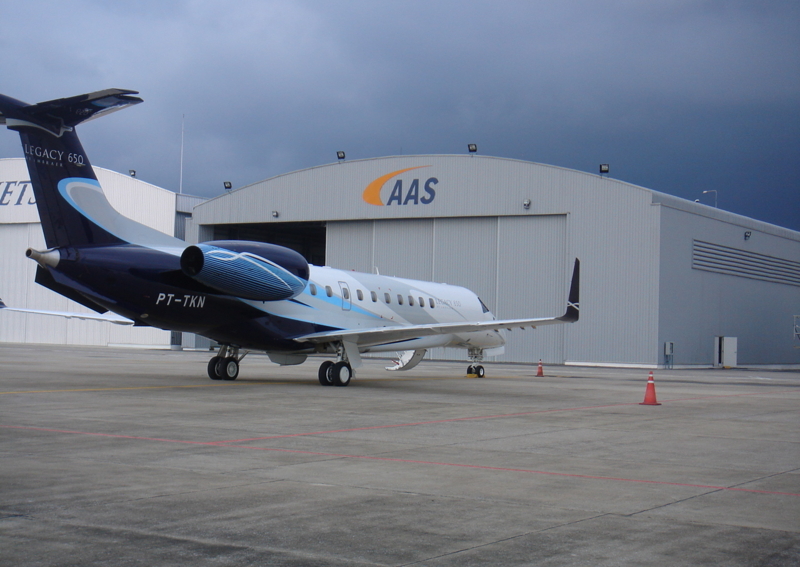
[(431, 422), (406, 461), (504, 469), (479, 417), (110, 435)]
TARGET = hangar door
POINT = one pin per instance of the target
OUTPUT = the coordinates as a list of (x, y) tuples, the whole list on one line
[(517, 265), (534, 270)]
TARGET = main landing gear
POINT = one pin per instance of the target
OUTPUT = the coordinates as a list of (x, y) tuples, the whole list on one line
[(475, 370), (336, 373), (225, 366)]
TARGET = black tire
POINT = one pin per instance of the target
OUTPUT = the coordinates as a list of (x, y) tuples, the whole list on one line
[(324, 373), (341, 373), (480, 371), (470, 370), (212, 369), (227, 369)]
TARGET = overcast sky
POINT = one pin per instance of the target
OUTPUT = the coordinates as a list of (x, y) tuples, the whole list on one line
[(678, 96)]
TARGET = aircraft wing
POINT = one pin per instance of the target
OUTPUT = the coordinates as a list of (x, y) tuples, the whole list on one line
[(386, 335), (108, 317)]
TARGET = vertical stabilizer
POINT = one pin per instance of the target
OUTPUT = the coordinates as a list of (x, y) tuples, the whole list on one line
[(69, 198)]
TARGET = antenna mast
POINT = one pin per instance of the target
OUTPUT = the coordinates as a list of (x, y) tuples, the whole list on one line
[(180, 183)]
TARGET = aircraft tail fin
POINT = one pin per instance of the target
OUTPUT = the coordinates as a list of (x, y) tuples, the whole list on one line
[(71, 203), (573, 301)]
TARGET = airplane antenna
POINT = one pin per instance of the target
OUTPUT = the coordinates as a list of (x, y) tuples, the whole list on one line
[(180, 183)]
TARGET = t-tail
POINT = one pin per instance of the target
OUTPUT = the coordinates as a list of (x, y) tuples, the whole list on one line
[(72, 207)]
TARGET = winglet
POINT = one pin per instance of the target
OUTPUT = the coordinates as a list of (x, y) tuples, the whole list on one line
[(573, 301)]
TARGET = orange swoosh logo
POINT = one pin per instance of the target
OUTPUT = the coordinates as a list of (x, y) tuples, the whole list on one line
[(372, 194)]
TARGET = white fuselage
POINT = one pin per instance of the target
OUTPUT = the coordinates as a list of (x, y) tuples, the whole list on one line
[(353, 300)]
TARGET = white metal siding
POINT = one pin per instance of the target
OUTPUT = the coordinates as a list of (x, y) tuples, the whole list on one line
[(145, 203), (698, 305), (532, 281), (477, 228)]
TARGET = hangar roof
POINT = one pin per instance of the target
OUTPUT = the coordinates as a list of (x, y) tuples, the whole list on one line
[(423, 186)]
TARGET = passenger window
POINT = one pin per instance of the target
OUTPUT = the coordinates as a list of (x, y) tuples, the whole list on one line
[(421, 302), (411, 301), (374, 296), (387, 297), (399, 299), (345, 293), (430, 301), (360, 295), (328, 291), (313, 289)]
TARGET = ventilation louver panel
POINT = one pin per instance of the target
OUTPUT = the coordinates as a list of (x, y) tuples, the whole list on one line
[(734, 262)]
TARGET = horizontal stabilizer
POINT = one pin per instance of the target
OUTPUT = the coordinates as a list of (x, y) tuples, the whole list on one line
[(62, 115)]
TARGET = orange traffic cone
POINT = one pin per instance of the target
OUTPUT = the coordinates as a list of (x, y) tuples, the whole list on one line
[(650, 392), (540, 370)]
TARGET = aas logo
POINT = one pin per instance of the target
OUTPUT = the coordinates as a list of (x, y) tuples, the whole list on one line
[(412, 195)]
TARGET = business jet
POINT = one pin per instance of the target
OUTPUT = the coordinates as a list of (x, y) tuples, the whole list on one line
[(244, 295)]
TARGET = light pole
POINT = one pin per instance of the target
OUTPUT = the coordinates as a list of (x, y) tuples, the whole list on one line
[(715, 195)]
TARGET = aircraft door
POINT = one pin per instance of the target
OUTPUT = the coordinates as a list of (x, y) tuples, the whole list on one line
[(346, 299)]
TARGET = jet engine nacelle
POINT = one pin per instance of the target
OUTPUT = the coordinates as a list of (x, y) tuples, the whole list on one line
[(251, 270)]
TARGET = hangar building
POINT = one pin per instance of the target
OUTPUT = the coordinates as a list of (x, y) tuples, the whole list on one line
[(20, 229), (662, 278)]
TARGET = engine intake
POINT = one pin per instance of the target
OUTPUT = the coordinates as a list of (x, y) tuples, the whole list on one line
[(251, 270)]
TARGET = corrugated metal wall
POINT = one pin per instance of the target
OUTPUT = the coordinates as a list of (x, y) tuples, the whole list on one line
[(698, 305), (477, 233), (143, 202), (517, 265)]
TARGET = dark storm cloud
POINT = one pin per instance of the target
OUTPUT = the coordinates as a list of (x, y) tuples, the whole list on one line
[(678, 96)]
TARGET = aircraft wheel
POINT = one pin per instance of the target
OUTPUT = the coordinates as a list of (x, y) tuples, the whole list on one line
[(228, 369), (341, 373), (324, 373), (212, 369), (480, 371), (470, 370)]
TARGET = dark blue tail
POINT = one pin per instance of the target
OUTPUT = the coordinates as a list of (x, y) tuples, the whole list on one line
[(71, 204)]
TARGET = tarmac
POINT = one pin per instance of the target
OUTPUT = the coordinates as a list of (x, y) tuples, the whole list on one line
[(134, 457)]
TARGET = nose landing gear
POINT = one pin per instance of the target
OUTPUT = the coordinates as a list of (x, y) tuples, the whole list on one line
[(475, 370)]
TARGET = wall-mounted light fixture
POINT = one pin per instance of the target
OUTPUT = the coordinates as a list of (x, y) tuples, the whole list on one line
[(473, 148), (526, 204), (747, 234), (132, 172), (227, 185), (275, 214), (340, 155), (603, 169)]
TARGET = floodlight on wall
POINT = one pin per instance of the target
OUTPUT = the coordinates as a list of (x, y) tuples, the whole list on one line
[(132, 172), (340, 155), (747, 234), (275, 214), (473, 148), (228, 185), (603, 169), (526, 204)]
